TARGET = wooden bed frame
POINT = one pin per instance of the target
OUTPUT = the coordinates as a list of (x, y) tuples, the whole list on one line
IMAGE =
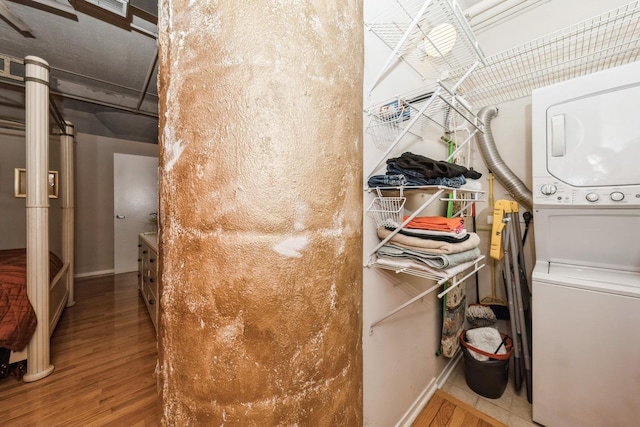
[(48, 298)]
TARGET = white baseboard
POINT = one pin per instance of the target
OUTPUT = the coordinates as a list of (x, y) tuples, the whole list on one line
[(416, 407), (94, 273), (448, 370)]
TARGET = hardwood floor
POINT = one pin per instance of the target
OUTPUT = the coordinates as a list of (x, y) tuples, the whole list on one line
[(445, 410), (104, 354)]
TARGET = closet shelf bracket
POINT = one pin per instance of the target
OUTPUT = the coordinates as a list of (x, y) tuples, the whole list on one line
[(440, 281)]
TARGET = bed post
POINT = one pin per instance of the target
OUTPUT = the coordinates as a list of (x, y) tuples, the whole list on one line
[(67, 174), (37, 207)]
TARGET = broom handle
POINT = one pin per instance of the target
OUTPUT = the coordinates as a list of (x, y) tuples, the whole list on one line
[(493, 261)]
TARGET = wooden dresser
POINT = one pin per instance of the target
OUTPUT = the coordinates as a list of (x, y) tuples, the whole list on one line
[(148, 273)]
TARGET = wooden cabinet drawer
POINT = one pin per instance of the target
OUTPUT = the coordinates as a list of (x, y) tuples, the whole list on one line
[(148, 276), (149, 294)]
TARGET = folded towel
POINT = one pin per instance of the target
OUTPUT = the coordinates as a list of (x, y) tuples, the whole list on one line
[(439, 273), (431, 246), (424, 234), (459, 233), (439, 223), (439, 261)]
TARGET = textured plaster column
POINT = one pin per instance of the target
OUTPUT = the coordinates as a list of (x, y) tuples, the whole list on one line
[(261, 209), (37, 165)]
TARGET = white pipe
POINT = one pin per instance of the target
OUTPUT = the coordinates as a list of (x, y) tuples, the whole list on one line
[(66, 175), (501, 11), (475, 10), (37, 202), (406, 304), (457, 282)]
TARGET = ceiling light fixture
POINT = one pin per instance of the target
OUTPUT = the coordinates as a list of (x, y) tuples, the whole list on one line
[(440, 40)]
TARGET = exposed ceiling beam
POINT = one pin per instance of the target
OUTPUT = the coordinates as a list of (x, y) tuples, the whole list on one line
[(93, 101), (14, 21), (62, 5), (147, 80)]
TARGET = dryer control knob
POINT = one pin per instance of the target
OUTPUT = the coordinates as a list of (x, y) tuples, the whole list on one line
[(548, 189), (592, 197), (616, 196)]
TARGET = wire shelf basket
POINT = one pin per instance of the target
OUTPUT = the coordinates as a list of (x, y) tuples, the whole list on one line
[(432, 37), (416, 111), (388, 121), (387, 211), (604, 41)]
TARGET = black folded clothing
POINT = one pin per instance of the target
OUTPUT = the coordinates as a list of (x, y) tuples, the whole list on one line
[(432, 168)]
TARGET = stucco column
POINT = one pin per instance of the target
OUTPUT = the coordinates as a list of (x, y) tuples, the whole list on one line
[(261, 209)]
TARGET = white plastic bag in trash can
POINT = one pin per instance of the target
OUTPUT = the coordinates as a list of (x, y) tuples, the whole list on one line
[(485, 339)]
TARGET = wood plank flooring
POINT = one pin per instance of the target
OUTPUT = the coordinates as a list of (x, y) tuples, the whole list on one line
[(445, 410), (104, 354)]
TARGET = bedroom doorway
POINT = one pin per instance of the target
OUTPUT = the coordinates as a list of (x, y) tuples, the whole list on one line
[(135, 199)]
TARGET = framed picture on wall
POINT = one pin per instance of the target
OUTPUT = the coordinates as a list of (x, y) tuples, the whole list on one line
[(20, 183)]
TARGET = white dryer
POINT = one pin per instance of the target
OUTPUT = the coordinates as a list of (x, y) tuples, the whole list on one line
[(586, 281)]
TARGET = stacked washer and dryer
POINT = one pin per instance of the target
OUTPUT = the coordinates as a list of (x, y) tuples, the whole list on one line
[(586, 280)]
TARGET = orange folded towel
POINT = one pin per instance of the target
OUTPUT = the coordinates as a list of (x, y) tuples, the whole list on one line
[(438, 223)]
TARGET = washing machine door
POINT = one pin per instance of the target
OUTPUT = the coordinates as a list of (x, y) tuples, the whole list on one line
[(594, 140)]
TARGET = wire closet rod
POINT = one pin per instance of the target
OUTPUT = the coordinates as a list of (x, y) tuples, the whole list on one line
[(423, 294)]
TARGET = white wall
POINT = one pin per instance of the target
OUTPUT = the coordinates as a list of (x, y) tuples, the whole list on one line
[(94, 199), (13, 222), (399, 360)]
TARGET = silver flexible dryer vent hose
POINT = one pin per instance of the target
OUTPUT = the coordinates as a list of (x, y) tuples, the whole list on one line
[(496, 165)]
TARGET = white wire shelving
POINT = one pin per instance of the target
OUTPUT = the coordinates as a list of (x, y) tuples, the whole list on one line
[(453, 282), (466, 197), (604, 41), (464, 77), (382, 211), (413, 112), (432, 37), (432, 104)]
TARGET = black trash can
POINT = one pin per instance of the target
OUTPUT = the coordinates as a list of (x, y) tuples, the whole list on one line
[(487, 378)]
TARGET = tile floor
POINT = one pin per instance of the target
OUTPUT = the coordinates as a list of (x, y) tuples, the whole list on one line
[(512, 408)]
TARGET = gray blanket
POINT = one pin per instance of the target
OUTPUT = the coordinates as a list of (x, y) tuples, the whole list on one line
[(430, 259)]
